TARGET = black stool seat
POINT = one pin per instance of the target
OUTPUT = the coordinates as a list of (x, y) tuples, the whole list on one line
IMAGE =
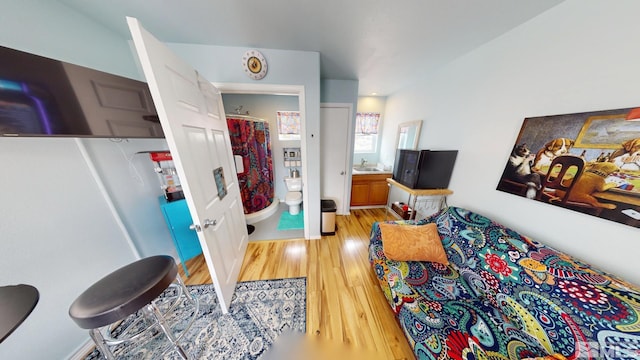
[(16, 303), (123, 292)]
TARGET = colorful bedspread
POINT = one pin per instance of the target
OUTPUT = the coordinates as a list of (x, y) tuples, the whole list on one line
[(505, 296)]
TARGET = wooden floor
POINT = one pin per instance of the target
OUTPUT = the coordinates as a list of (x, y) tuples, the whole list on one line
[(345, 306)]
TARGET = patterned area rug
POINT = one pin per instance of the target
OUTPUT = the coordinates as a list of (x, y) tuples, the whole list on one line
[(259, 312), (291, 222)]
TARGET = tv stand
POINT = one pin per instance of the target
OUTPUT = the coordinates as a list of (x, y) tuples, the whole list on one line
[(414, 195)]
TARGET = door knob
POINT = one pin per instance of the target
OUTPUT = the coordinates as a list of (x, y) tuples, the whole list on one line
[(208, 222), (341, 172), (195, 227)]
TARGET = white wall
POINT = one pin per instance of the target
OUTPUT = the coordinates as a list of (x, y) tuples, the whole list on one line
[(128, 175), (51, 29), (265, 107), (58, 234), (581, 55)]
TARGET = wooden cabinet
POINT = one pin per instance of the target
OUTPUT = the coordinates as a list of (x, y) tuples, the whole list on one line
[(369, 189), (176, 214)]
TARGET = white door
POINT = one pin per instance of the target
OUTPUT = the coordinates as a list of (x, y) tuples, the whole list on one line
[(335, 132), (192, 118)]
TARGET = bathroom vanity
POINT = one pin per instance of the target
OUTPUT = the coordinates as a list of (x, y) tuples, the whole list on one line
[(369, 188)]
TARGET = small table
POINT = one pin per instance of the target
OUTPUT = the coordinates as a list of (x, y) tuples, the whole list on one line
[(414, 194), (16, 303)]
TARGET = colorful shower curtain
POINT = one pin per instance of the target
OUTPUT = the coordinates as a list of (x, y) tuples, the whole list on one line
[(250, 140)]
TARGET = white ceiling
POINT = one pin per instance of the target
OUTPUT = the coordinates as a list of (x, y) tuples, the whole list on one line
[(384, 44)]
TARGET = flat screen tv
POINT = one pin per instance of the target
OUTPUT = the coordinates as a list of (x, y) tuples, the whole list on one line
[(424, 169), (40, 96)]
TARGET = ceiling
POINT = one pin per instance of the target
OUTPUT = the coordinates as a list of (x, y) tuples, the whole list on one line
[(384, 44)]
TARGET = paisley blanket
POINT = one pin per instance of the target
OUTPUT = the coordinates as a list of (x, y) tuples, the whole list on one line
[(506, 296)]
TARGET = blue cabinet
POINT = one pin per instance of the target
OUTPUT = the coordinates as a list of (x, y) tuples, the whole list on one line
[(176, 214)]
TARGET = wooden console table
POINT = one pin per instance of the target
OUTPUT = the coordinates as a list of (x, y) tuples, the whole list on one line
[(414, 194)]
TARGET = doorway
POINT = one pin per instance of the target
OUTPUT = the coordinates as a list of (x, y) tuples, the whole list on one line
[(259, 147), (336, 138), (230, 89)]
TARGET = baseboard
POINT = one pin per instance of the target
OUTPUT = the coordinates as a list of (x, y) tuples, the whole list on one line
[(83, 350)]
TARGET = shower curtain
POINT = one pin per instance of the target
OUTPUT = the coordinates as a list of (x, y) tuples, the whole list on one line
[(250, 140)]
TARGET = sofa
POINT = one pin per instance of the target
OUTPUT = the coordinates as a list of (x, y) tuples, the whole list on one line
[(502, 295)]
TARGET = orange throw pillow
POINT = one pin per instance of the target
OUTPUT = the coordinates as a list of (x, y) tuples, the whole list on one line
[(412, 243)]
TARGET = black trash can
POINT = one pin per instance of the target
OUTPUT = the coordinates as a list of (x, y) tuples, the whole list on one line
[(328, 220)]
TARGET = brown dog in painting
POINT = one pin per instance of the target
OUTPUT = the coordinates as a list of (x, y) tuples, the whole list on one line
[(592, 180), (627, 158), (553, 148)]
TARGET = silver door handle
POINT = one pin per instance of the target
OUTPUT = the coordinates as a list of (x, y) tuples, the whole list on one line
[(195, 227), (209, 222), (341, 172)]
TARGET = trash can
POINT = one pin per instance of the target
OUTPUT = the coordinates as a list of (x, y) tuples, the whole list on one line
[(328, 220)]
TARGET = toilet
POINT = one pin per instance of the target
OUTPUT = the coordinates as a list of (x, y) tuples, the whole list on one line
[(294, 194)]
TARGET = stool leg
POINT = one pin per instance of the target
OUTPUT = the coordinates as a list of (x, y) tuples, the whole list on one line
[(190, 298), (96, 335), (151, 311)]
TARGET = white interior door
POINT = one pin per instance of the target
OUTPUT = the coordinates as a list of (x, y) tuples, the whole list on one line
[(192, 118), (335, 121)]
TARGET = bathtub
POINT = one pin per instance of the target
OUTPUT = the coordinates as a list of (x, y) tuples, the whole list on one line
[(262, 214)]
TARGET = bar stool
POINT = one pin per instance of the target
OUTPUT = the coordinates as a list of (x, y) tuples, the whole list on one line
[(136, 289)]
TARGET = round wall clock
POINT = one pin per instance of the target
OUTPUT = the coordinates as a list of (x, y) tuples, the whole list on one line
[(254, 64)]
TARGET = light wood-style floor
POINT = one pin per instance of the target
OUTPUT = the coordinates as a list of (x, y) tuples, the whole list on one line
[(345, 305)]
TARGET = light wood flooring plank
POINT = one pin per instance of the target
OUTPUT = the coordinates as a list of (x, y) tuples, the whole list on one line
[(345, 305)]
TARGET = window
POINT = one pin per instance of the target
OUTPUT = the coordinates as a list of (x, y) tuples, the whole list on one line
[(288, 125), (366, 139)]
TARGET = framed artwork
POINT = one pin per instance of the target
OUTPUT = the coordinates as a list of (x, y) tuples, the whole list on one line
[(607, 132), (587, 162)]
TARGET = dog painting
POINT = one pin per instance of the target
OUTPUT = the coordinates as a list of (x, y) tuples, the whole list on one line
[(553, 148), (518, 169), (607, 185), (628, 158), (594, 179)]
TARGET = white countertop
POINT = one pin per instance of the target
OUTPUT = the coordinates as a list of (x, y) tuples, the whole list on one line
[(368, 172)]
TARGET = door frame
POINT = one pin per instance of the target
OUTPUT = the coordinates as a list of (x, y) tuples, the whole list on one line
[(346, 208), (278, 89)]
